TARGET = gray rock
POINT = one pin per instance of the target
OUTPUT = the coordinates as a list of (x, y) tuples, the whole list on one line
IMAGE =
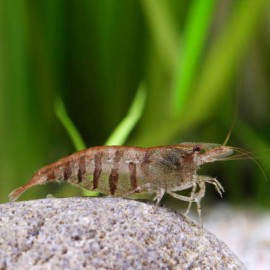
[(105, 233)]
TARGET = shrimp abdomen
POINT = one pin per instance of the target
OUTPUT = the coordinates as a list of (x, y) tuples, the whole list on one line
[(111, 170)]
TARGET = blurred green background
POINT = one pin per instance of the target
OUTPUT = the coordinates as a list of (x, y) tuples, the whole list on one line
[(190, 58)]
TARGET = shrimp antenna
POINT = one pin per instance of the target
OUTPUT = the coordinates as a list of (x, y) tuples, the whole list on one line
[(235, 114)]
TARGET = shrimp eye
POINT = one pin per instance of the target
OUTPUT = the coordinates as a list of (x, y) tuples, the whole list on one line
[(196, 148)]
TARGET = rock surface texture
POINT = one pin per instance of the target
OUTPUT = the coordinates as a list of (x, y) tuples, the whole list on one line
[(105, 233)]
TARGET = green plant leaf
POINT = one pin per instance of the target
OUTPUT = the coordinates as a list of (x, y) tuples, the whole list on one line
[(222, 60), (193, 41), (72, 131), (122, 131), (163, 31)]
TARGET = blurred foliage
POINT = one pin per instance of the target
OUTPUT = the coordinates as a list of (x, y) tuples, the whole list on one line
[(192, 56)]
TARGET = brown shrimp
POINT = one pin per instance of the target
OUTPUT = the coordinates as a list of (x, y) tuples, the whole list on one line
[(123, 170)]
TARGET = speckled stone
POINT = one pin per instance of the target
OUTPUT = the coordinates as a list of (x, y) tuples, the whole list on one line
[(105, 233)]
